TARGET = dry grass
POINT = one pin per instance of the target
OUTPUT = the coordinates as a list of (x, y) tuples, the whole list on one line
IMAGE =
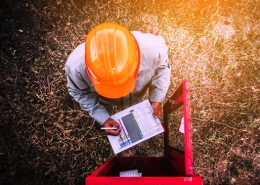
[(46, 138)]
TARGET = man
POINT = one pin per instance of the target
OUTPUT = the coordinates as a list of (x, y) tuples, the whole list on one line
[(115, 67)]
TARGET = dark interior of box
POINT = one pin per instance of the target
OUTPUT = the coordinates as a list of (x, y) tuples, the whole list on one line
[(148, 166)]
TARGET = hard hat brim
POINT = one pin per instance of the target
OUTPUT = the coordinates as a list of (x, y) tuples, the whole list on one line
[(117, 91)]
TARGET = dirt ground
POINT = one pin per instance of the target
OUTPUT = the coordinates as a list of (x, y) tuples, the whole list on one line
[(45, 138)]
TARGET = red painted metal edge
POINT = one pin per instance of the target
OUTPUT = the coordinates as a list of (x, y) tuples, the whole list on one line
[(180, 97)]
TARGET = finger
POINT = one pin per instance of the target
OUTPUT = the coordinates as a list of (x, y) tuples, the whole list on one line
[(111, 123), (155, 112), (115, 124), (159, 112), (113, 132), (117, 132)]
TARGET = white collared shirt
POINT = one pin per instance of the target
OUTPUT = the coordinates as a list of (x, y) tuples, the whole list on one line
[(154, 74)]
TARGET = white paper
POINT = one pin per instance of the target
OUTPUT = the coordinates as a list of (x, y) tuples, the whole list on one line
[(181, 127), (137, 124), (130, 173)]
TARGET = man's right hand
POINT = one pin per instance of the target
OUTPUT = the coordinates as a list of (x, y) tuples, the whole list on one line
[(112, 123)]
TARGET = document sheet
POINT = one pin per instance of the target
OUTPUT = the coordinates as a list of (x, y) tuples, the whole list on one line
[(137, 124)]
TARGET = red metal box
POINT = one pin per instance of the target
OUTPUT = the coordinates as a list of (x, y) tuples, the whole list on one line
[(175, 167)]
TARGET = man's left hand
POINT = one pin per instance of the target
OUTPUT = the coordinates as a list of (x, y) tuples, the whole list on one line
[(157, 109)]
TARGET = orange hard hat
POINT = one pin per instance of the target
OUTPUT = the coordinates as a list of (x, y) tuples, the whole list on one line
[(112, 59)]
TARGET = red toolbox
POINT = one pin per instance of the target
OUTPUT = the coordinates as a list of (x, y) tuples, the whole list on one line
[(175, 167)]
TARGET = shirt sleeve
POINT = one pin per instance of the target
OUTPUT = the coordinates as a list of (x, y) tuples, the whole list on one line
[(88, 100), (160, 82)]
